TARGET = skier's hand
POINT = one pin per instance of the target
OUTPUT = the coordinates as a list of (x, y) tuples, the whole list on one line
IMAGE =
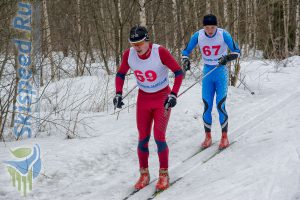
[(170, 101), (223, 60), (185, 62), (118, 101)]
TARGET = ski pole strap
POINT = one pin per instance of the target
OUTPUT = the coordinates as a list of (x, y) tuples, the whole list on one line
[(167, 106)]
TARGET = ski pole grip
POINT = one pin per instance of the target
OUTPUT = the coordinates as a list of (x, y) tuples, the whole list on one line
[(167, 106)]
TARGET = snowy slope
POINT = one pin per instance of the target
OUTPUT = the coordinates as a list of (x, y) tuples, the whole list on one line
[(263, 162)]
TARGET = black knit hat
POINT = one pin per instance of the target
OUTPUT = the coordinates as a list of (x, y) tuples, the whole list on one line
[(138, 34), (210, 19)]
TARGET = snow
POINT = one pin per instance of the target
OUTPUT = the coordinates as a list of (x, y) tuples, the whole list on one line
[(262, 163)]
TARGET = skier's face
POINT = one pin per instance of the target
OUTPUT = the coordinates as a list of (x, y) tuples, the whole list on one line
[(210, 29), (141, 47)]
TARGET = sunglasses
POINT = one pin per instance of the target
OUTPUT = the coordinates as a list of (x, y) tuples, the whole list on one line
[(137, 44)]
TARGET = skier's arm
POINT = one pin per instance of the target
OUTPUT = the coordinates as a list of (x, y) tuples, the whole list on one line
[(235, 51), (191, 45), (120, 77), (168, 60)]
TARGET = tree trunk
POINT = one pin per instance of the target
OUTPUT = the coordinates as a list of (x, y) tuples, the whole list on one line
[(247, 29), (197, 15), (98, 26), (270, 26), (143, 19), (286, 12), (165, 26), (79, 67), (117, 31), (178, 40), (121, 28), (7, 49), (175, 25), (152, 25), (254, 25), (208, 7), (91, 43), (297, 34), (15, 89), (236, 9), (226, 15), (49, 42)]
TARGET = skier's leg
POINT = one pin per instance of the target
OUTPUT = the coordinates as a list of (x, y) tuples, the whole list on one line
[(144, 118), (221, 91), (208, 92), (161, 118)]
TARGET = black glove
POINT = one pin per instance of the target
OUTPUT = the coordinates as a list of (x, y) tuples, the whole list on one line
[(185, 62), (170, 101), (118, 101), (223, 60)]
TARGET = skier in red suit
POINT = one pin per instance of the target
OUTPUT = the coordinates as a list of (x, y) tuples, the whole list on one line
[(150, 64)]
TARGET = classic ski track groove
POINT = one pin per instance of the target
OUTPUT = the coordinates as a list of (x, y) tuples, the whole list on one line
[(203, 156)]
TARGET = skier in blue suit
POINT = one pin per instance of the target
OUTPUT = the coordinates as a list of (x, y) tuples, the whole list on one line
[(213, 43)]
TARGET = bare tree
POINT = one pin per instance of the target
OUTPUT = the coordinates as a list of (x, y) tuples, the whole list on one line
[(286, 6), (49, 41), (236, 8), (226, 15), (297, 33), (175, 17), (143, 19), (79, 67), (254, 25), (270, 9), (208, 6)]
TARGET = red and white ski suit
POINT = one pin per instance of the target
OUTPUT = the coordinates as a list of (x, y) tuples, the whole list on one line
[(151, 71)]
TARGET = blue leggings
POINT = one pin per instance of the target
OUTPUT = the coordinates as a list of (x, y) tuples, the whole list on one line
[(216, 82)]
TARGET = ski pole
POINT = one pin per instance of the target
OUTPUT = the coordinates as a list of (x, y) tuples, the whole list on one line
[(242, 82), (246, 86), (166, 108), (115, 106), (198, 79), (129, 92)]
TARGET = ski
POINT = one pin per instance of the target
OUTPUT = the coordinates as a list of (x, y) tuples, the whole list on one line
[(216, 153), (172, 182), (132, 193), (197, 152), (137, 190), (156, 193)]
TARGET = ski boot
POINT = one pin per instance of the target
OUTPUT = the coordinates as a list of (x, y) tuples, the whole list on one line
[(207, 142), (224, 143), (163, 180), (143, 180)]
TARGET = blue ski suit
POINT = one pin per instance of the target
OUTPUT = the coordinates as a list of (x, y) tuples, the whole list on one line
[(212, 48)]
